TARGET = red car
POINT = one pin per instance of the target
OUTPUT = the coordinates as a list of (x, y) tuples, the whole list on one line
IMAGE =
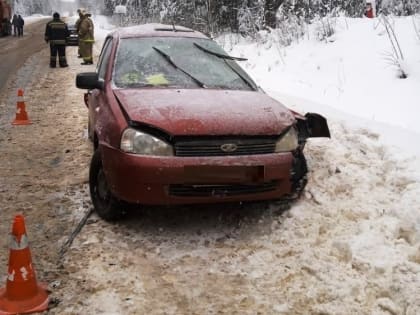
[(175, 120)]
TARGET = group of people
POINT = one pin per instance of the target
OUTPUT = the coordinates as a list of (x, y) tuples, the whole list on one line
[(18, 22), (56, 33)]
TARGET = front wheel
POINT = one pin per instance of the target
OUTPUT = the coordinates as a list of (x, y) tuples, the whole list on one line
[(106, 205)]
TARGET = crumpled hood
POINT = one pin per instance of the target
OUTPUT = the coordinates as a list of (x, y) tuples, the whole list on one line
[(206, 112)]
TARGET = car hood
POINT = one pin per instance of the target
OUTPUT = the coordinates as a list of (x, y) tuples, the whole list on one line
[(206, 112)]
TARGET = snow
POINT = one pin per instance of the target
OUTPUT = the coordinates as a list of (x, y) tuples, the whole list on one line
[(102, 27), (350, 245), (35, 18), (361, 208), (348, 75), (348, 80), (398, 139)]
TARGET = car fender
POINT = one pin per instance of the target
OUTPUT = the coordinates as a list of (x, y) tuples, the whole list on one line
[(108, 119)]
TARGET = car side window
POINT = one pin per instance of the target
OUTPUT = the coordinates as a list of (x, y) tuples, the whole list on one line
[(104, 59)]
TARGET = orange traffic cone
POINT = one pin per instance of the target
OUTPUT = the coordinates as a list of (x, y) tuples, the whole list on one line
[(21, 115), (22, 294)]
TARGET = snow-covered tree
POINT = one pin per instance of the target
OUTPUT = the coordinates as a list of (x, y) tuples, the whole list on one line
[(213, 16)]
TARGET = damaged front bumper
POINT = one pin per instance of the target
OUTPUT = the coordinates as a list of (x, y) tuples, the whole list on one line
[(312, 126)]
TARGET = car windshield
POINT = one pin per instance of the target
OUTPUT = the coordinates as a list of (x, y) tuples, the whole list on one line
[(177, 62)]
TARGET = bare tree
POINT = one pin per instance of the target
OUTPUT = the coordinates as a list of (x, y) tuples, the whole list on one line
[(270, 10)]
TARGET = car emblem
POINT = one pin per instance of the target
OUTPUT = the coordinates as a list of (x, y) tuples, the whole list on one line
[(229, 147)]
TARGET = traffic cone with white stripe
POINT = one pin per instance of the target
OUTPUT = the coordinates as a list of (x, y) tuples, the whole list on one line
[(21, 114), (22, 294)]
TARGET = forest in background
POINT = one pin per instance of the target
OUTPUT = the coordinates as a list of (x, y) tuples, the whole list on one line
[(215, 16)]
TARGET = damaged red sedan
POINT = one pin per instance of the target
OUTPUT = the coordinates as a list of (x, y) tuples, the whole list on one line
[(175, 120)]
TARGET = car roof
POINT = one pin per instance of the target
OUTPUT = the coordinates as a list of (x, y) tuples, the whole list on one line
[(156, 30)]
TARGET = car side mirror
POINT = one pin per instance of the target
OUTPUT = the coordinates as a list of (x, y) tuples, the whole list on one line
[(89, 81)]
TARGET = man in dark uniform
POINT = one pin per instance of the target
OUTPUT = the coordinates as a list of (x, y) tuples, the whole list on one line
[(21, 23), (15, 24), (56, 33)]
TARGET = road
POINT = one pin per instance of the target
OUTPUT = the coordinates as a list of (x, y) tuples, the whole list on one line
[(14, 51), (44, 166)]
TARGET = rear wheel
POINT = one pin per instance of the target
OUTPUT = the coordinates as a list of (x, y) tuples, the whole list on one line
[(106, 205)]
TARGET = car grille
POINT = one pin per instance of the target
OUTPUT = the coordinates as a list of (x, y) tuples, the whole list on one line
[(232, 146), (219, 190)]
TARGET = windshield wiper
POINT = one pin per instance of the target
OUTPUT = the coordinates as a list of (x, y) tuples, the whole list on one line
[(218, 54), (169, 59), (224, 57)]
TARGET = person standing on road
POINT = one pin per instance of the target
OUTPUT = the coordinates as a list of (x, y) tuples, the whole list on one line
[(21, 22), (15, 23), (77, 25), (369, 10), (56, 33), (86, 38)]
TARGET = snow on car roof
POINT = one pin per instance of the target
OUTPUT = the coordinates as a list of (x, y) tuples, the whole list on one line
[(156, 29)]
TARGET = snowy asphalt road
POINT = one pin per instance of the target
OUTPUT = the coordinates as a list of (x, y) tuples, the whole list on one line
[(15, 50)]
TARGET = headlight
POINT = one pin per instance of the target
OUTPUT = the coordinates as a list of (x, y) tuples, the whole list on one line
[(288, 142), (133, 141)]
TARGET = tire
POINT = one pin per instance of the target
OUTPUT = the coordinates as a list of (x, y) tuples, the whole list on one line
[(105, 204), (91, 137), (299, 171)]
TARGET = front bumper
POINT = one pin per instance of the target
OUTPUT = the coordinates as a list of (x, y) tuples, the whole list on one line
[(188, 180)]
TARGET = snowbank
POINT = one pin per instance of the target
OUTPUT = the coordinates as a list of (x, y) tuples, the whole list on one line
[(367, 195), (35, 18), (349, 74)]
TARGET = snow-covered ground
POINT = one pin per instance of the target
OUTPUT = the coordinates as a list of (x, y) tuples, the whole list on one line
[(349, 80), (348, 77), (34, 18), (350, 245)]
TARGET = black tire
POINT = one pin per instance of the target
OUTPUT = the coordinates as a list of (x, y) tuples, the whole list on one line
[(299, 174), (106, 205)]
